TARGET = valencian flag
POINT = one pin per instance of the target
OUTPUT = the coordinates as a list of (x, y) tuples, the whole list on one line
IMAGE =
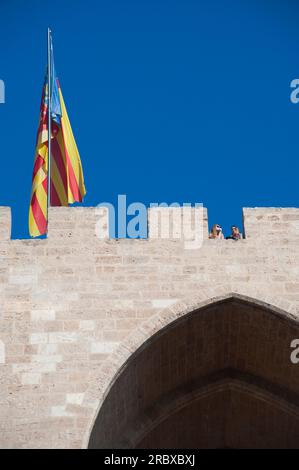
[(67, 182)]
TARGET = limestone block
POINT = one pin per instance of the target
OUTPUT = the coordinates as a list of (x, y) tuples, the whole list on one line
[(5, 223)]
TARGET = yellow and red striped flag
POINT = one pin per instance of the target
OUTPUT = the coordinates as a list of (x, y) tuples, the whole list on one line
[(67, 181)]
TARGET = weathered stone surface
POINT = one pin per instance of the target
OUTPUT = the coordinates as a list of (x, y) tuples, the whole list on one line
[(74, 308)]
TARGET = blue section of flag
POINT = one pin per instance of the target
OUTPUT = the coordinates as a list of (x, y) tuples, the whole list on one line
[(55, 101)]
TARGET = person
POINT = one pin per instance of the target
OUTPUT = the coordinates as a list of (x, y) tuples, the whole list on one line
[(216, 232), (235, 235)]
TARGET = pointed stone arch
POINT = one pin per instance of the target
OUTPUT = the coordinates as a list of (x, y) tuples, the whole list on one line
[(278, 395)]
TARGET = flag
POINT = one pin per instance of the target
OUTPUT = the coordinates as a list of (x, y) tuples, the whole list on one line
[(67, 181)]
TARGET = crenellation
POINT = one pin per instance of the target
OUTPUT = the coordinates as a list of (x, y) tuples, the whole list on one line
[(5, 223), (271, 223), (80, 224)]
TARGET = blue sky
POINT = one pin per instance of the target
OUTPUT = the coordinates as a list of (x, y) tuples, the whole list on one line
[(170, 101)]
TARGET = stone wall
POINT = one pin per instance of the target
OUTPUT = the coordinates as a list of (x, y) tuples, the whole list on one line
[(74, 306)]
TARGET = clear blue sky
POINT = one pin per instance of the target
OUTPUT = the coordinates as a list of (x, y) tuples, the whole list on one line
[(174, 101)]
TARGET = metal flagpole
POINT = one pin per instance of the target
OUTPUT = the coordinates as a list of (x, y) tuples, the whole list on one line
[(49, 119)]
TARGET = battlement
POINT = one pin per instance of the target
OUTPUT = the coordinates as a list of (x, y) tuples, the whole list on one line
[(90, 222), (5, 223), (271, 222)]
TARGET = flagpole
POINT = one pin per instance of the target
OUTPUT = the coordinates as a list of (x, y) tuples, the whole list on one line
[(49, 121)]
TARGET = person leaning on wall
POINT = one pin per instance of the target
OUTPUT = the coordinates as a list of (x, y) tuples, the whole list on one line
[(216, 232), (235, 235)]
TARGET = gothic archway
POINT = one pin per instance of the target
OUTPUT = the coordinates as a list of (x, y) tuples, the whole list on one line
[(219, 375)]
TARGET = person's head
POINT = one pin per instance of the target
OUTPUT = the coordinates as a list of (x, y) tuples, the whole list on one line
[(216, 230), (235, 230)]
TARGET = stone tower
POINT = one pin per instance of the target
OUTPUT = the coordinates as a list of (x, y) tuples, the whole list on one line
[(144, 343)]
